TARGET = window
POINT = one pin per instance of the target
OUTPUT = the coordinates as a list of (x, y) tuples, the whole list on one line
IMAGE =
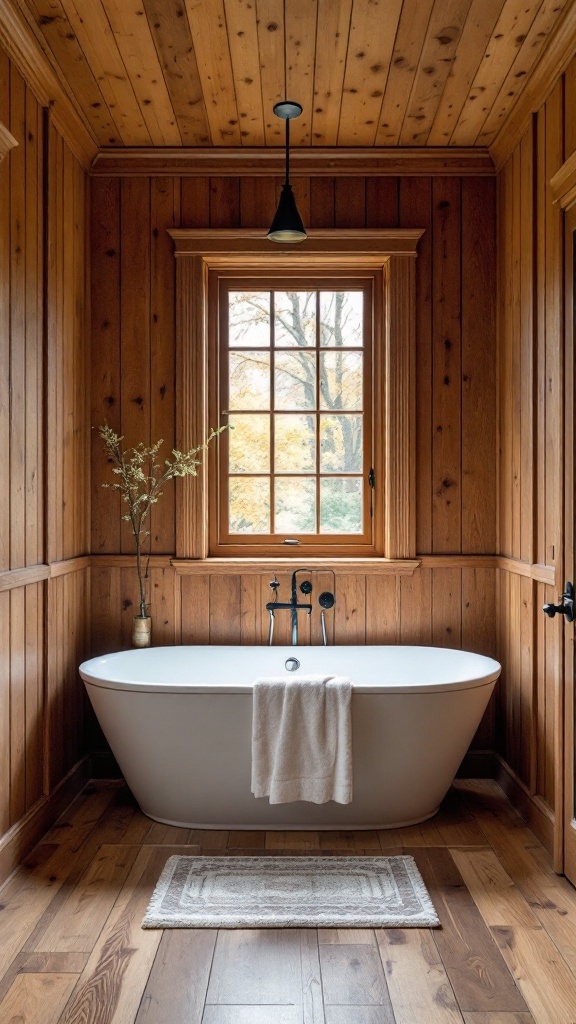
[(310, 354), (295, 381)]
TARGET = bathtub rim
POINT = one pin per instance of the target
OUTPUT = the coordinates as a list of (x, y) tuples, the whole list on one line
[(87, 669)]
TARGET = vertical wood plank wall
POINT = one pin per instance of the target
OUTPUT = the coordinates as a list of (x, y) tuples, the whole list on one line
[(44, 584), (488, 436), (450, 600), (530, 368)]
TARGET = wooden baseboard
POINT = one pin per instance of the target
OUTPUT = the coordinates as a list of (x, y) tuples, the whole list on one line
[(17, 843), (537, 815)]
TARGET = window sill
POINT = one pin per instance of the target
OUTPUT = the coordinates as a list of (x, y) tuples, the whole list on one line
[(253, 566)]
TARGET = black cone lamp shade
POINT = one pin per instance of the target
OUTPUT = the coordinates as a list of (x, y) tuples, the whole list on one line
[(287, 225)]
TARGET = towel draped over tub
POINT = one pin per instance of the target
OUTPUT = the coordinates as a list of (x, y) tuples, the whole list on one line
[(302, 739)]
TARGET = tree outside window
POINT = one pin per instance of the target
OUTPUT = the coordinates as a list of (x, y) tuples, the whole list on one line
[(294, 380)]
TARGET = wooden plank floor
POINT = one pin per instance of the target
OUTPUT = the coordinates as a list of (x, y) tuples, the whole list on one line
[(72, 950)]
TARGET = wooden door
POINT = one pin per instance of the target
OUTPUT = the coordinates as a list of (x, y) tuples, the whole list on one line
[(570, 539)]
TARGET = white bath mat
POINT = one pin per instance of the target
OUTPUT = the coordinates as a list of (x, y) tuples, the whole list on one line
[(290, 892)]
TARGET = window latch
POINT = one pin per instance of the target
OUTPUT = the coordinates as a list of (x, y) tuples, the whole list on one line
[(371, 484)]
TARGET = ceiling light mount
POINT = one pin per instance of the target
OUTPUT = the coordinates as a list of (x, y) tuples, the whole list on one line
[(287, 109), (287, 225)]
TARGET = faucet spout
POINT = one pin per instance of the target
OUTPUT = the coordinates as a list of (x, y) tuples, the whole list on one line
[(294, 624), (293, 605), (293, 585)]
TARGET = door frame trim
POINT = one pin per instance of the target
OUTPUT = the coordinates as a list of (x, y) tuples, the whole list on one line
[(568, 837)]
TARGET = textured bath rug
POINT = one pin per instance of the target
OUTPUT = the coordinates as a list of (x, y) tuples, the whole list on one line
[(290, 892)]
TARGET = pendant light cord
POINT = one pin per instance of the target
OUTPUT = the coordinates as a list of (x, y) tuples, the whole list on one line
[(287, 175), (285, 51)]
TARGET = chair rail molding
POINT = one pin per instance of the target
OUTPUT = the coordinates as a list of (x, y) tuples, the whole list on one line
[(7, 142)]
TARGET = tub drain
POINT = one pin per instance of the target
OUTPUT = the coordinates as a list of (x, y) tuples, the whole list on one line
[(291, 664)]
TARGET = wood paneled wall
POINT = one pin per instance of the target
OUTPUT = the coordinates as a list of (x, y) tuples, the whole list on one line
[(530, 366), (44, 585), (450, 600), (133, 370)]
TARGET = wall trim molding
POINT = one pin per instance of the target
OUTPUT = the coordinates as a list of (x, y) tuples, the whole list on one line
[(563, 183), (7, 142), (68, 565), (317, 161), (231, 248), (19, 40), (373, 566), (533, 570), (22, 837), (458, 561), (13, 578), (551, 64), (112, 561), (536, 813), (255, 566)]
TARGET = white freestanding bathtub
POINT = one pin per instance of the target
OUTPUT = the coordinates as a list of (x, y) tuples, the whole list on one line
[(178, 720)]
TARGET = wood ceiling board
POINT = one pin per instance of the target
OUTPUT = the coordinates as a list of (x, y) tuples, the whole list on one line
[(334, 26), (23, 44), (207, 21), (136, 46), (509, 33), (173, 41), (438, 54), (167, 73), (63, 44), (557, 56), (410, 37), (301, 39), (480, 24), (371, 42), (270, 15), (243, 39), (100, 49), (519, 73)]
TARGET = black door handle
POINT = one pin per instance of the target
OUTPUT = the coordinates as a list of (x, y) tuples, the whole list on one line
[(567, 606)]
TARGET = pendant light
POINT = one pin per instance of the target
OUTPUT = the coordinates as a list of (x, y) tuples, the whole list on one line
[(287, 225)]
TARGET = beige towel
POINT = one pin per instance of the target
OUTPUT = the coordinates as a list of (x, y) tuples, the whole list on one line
[(302, 739)]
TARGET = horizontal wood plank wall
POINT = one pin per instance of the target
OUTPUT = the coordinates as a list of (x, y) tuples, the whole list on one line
[(43, 452), (133, 389), (530, 310)]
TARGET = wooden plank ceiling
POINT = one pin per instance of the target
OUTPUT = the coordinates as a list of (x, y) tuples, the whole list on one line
[(367, 72)]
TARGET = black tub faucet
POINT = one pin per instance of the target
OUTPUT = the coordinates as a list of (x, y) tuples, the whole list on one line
[(293, 605)]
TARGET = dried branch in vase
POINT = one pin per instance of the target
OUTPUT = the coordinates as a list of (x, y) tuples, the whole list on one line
[(141, 478)]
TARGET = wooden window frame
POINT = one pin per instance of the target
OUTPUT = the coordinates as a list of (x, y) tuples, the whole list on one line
[(389, 253), (369, 542)]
